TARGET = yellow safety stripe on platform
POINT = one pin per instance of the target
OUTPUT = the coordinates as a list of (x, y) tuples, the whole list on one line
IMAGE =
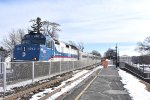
[(77, 98)]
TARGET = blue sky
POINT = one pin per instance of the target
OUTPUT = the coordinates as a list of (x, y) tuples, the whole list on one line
[(99, 24)]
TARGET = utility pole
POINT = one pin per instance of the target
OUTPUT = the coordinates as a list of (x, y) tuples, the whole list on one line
[(116, 56)]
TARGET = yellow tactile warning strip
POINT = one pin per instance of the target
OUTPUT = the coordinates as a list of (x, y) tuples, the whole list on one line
[(81, 93)]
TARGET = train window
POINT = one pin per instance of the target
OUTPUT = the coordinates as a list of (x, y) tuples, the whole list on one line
[(25, 41), (67, 46), (27, 36), (34, 41), (36, 36), (42, 37), (73, 47), (56, 42), (84, 56), (40, 41)]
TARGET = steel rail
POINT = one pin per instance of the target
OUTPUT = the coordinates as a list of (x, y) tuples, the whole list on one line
[(67, 84)]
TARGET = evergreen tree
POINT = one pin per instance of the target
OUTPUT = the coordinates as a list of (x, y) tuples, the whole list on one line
[(37, 25)]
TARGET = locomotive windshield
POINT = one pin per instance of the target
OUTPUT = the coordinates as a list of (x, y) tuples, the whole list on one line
[(34, 38), (26, 41)]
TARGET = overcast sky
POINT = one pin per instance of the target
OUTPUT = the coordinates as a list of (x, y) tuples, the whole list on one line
[(99, 24)]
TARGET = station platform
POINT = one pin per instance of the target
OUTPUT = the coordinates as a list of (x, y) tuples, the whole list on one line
[(106, 86)]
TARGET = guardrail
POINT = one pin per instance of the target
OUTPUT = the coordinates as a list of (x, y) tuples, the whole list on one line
[(21, 73), (142, 71)]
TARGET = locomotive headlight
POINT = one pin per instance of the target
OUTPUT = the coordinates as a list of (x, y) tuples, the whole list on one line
[(34, 58), (14, 58)]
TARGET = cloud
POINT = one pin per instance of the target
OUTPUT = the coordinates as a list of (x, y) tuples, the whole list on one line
[(128, 50), (98, 21)]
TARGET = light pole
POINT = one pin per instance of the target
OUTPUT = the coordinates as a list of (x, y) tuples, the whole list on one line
[(116, 56)]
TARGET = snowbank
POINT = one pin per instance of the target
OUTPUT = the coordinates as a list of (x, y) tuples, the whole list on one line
[(136, 89)]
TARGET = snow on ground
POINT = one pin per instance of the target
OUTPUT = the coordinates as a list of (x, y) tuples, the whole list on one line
[(68, 88), (23, 83), (48, 90), (136, 89), (9, 87)]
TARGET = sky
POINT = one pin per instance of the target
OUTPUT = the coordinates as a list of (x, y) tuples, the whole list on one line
[(99, 24)]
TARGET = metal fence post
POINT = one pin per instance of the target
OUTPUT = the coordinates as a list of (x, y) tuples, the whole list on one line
[(49, 68), (60, 66), (143, 68), (4, 77), (33, 71), (73, 65)]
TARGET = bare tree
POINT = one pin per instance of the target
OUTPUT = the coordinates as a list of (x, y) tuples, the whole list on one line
[(51, 28), (13, 39), (144, 59), (81, 46), (73, 43), (135, 59), (3, 53), (144, 47), (94, 52), (110, 54), (78, 46), (48, 28)]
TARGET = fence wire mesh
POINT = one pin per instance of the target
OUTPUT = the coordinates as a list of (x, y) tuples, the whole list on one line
[(2, 76), (41, 69)]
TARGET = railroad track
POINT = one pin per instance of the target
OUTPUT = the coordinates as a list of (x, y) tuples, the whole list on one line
[(53, 82), (67, 84), (26, 93), (59, 89)]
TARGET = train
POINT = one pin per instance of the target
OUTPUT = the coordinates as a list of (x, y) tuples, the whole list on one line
[(40, 47)]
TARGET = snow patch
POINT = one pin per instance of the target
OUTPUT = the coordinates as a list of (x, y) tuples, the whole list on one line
[(67, 88), (136, 89)]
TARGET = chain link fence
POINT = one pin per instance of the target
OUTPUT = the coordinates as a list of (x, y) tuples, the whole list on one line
[(19, 73)]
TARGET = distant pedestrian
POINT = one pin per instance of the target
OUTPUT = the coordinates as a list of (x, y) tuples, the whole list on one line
[(105, 63)]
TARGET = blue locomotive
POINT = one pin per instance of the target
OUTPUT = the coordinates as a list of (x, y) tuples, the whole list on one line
[(39, 47)]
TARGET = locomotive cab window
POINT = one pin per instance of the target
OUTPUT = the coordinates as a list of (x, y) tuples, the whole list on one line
[(34, 41), (67, 46), (34, 38), (39, 41), (25, 41), (57, 43)]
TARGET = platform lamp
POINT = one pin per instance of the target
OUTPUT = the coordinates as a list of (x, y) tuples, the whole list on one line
[(116, 56)]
